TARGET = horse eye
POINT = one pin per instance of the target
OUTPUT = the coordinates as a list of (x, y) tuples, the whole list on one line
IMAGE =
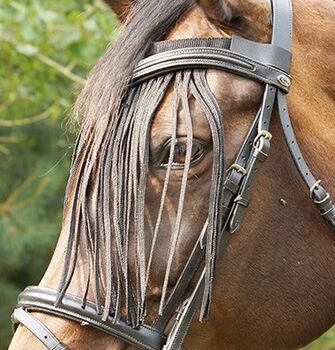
[(179, 155)]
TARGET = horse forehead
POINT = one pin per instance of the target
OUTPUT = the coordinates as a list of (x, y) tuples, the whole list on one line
[(250, 5), (194, 25), (197, 22)]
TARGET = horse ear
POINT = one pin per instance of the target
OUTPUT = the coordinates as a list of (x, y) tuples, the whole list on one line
[(251, 19), (217, 11), (120, 7)]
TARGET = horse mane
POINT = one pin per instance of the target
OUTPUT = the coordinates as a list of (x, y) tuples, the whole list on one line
[(105, 196), (109, 80)]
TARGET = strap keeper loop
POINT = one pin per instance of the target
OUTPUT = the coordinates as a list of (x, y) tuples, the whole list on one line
[(323, 201), (242, 201)]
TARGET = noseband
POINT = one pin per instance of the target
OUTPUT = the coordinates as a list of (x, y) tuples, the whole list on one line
[(266, 63)]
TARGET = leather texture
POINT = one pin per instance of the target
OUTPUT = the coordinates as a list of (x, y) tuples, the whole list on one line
[(215, 58), (43, 333), (269, 54), (43, 300)]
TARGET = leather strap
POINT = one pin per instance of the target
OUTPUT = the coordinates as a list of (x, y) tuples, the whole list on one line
[(318, 194), (269, 54), (43, 300), (185, 317), (208, 57), (261, 147), (282, 24), (43, 333)]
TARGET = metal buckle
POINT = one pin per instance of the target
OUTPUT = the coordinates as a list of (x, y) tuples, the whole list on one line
[(327, 197), (259, 147), (313, 188), (263, 133), (238, 168)]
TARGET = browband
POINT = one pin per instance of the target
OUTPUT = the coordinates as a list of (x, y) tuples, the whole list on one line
[(266, 63)]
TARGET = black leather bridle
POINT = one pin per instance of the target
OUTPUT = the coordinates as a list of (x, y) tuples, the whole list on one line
[(266, 63)]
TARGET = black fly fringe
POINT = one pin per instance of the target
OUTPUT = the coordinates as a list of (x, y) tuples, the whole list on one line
[(106, 198), (209, 105)]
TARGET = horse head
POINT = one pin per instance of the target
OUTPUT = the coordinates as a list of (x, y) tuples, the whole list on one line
[(145, 187)]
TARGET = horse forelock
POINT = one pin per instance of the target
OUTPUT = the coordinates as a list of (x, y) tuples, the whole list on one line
[(96, 111), (108, 81)]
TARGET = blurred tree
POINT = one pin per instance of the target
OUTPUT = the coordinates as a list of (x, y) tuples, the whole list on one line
[(47, 48)]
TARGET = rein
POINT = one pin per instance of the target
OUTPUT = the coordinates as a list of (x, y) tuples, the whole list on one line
[(266, 63)]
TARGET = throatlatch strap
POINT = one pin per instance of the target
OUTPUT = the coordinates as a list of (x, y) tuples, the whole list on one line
[(318, 194)]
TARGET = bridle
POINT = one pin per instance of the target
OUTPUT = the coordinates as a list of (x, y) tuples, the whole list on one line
[(266, 63)]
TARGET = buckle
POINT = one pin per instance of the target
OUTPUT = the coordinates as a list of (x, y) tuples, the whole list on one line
[(261, 147), (238, 168), (262, 133), (313, 188), (324, 202)]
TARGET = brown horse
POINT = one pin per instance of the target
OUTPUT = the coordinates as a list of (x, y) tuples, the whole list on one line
[(275, 283)]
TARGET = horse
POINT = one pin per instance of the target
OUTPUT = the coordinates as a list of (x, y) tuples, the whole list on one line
[(274, 283)]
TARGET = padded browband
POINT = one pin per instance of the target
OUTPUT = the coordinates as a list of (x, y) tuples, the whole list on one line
[(266, 63)]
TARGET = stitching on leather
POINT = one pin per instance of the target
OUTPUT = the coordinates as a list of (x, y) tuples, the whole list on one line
[(241, 70), (40, 307), (216, 51)]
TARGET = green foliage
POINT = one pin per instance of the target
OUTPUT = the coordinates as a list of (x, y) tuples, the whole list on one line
[(327, 342), (46, 50)]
